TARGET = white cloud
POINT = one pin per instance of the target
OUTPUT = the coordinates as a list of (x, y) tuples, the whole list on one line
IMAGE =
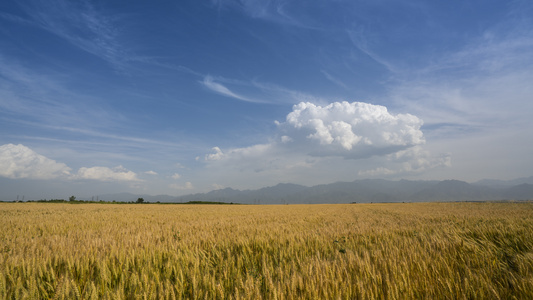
[(286, 139), (341, 129), (339, 141), (350, 130), (176, 176), (412, 160), (85, 27), (485, 85), (19, 161), (271, 11), (215, 156), (217, 186), (334, 80), (256, 156), (150, 173), (279, 94), (266, 93), (187, 186), (359, 40), (209, 83), (106, 174)]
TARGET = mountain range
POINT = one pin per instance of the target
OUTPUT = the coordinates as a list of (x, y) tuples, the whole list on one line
[(360, 191)]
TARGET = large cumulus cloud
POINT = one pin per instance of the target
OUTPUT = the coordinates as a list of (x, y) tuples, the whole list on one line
[(350, 130), (334, 142)]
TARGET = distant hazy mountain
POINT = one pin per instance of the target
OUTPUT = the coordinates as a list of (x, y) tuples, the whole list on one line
[(521, 191), (370, 190), (455, 190), (504, 183), (361, 191)]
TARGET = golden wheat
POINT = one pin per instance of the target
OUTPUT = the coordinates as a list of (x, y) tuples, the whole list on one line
[(362, 251)]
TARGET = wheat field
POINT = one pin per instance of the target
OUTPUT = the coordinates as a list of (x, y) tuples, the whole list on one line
[(340, 251)]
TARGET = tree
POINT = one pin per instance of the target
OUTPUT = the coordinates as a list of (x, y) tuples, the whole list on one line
[(140, 200), (72, 198)]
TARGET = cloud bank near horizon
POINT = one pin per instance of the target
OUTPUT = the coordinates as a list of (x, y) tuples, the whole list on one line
[(358, 138), (21, 162)]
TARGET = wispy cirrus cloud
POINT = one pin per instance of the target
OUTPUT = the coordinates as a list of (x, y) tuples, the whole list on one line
[(275, 11), (360, 41), (14, 18), (285, 95), (84, 26), (43, 100), (210, 83), (44, 96), (486, 84), (275, 94), (334, 80)]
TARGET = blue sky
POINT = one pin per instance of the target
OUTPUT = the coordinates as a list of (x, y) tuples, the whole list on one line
[(180, 97)]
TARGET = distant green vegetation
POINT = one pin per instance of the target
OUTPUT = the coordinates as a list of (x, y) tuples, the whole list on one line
[(207, 202), (79, 201), (138, 201)]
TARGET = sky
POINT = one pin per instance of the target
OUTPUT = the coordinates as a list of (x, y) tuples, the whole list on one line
[(182, 97)]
